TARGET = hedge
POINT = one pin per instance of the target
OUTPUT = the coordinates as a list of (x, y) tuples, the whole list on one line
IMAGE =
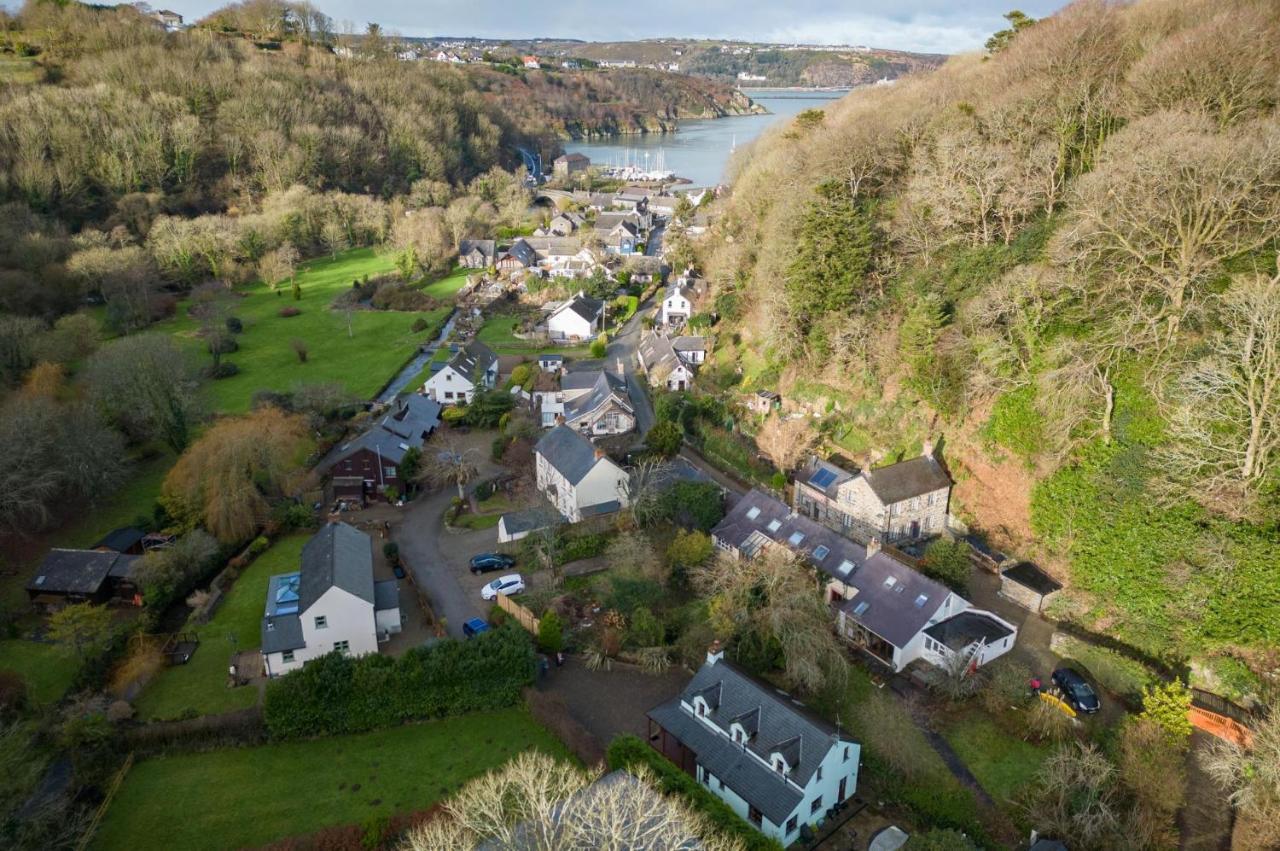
[(337, 694), (627, 751)]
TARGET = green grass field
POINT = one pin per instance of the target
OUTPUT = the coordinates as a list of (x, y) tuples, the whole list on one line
[(362, 361), (496, 334), (241, 797), (447, 287), (1002, 762), (47, 668), (201, 684)]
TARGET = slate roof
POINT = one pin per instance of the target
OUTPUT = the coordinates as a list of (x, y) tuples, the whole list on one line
[(487, 247), (413, 416), (608, 222), (913, 477), (571, 454), (686, 343), (824, 476), (585, 306), (282, 633), (780, 724), (472, 361), (605, 387), (961, 630), (521, 251), (571, 158), (386, 595), (888, 610), (122, 539), (337, 556), (656, 351), (79, 571), (530, 519), (1026, 573), (410, 421), (554, 246)]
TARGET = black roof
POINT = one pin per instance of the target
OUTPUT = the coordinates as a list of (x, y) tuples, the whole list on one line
[(473, 360), (1026, 573), (585, 306), (775, 723), (913, 477), (959, 631), (122, 539), (79, 571)]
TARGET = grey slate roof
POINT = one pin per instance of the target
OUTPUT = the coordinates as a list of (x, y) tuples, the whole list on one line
[(386, 595), (1026, 573), (585, 306), (521, 251), (608, 222), (473, 361), (775, 723), (79, 571), (410, 421), (891, 611), (337, 556), (555, 246), (606, 386), (686, 343), (913, 477), (122, 539), (530, 519), (961, 630), (656, 351), (568, 452), (484, 246), (281, 633), (823, 475)]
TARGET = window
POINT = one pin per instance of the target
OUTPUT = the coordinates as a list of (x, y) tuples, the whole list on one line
[(322, 622), (701, 707), (796, 539), (753, 513), (271, 627), (816, 805), (774, 525), (342, 646), (820, 552), (791, 824), (448, 394), (845, 566), (755, 816), (389, 472), (739, 734), (846, 754), (779, 766), (287, 657), (819, 772)]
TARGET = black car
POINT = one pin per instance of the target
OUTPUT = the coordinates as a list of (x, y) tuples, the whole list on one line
[(486, 562), (1076, 690)]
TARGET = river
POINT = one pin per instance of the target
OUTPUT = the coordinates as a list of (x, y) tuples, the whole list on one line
[(699, 150)]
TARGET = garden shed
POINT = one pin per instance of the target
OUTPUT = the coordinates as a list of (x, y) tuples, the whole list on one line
[(1028, 586)]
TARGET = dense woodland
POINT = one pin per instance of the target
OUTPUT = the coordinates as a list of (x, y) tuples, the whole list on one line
[(1060, 258)]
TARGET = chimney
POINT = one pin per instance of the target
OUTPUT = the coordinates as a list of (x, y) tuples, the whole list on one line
[(715, 652), (873, 546), (622, 372), (927, 449), (559, 419), (599, 453)]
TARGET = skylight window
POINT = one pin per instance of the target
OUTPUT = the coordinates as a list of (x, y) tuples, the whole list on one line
[(753, 513), (845, 566), (823, 478), (890, 581), (774, 525), (796, 538), (921, 600), (820, 552), (861, 608)]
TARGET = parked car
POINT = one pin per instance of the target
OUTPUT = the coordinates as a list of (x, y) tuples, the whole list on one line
[(398, 570), (486, 562), (512, 583), (1076, 691), (474, 627)]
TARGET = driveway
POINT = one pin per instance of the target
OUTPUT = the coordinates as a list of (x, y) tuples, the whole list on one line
[(610, 703), (623, 348), (653, 248)]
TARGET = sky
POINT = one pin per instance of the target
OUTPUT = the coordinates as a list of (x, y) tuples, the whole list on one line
[(929, 26)]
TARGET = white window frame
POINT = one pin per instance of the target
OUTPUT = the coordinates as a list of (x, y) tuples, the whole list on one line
[(321, 622)]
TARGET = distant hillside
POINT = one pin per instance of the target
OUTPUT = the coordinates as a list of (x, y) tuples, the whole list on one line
[(1061, 260)]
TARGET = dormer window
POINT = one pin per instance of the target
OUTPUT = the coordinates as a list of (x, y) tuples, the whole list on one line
[(779, 764), (700, 707), (738, 734)]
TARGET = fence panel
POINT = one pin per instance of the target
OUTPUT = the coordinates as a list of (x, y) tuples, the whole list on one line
[(523, 616)]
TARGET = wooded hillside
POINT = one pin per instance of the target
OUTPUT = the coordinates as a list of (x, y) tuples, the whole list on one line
[(1060, 258)]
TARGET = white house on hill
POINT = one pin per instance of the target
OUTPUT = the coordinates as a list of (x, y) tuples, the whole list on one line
[(330, 603), (579, 318), (473, 369)]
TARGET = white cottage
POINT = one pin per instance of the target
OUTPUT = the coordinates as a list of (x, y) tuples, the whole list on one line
[(579, 318), (757, 749), (579, 479), (331, 603), (472, 370)]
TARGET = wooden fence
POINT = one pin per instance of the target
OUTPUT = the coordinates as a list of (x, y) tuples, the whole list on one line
[(87, 836), (523, 616)]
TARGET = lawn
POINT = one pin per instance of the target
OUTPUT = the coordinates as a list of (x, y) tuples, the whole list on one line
[(362, 360), (201, 684), (1003, 763), (489, 512), (447, 287), (47, 668), (496, 334), (244, 797)]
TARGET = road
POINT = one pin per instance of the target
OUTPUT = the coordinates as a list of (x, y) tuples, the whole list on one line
[(653, 248), (623, 347)]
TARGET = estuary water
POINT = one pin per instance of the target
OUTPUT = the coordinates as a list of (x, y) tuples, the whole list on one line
[(699, 150)]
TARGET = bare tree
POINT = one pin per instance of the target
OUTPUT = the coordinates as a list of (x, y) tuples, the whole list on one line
[(786, 441), (634, 552), (1226, 425), (275, 266), (1252, 777), (452, 464), (1074, 796), (537, 803)]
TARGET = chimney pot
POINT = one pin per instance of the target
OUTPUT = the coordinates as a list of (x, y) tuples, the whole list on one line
[(927, 449), (599, 453), (559, 419)]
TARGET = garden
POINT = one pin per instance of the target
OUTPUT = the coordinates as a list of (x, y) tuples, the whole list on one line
[(240, 797), (200, 686)]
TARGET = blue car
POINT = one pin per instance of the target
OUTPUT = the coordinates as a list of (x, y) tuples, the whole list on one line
[(474, 627), (486, 562)]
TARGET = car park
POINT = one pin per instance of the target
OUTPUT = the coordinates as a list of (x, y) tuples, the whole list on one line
[(474, 627), (1076, 691), (486, 562), (512, 583)]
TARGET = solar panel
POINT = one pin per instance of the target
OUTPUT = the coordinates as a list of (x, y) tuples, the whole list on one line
[(823, 478)]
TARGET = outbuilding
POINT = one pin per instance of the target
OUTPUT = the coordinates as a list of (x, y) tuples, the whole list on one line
[(1028, 586)]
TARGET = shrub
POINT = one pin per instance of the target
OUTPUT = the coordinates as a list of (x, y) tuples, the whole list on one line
[(645, 630), (299, 348), (947, 562), (13, 693), (337, 694), (665, 438), (520, 374), (778, 481), (286, 312), (628, 751), (420, 324), (694, 505), (234, 325), (589, 545), (484, 490), (391, 550), (599, 347), (498, 448), (259, 546), (291, 515), (225, 369), (222, 345), (551, 632)]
